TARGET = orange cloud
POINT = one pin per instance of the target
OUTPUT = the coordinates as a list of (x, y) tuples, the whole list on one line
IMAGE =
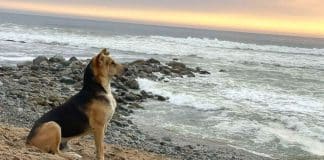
[(230, 21)]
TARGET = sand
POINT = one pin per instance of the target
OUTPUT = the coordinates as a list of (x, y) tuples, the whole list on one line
[(12, 147)]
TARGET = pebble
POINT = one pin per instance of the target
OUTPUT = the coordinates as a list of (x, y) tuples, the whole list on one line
[(20, 109), (166, 139), (67, 80), (23, 81)]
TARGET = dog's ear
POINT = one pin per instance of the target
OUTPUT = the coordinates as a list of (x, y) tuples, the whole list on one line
[(103, 51), (101, 57)]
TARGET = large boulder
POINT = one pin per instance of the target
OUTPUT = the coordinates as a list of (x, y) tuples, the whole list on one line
[(153, 61), (132, 84), (176, 65), (38, 60), (57, 58)]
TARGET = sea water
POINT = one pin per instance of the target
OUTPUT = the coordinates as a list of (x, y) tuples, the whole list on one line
[(269, 100)]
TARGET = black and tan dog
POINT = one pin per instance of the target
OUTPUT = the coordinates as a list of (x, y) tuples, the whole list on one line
[(89, 111)]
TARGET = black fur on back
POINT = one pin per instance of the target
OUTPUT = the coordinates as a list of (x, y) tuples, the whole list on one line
[(71, 115)]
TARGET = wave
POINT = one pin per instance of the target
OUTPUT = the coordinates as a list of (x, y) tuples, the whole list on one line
[(179, 99), (16, 59), (202, 47)]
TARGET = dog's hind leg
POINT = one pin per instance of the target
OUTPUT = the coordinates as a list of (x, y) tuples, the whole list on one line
[(48, 139)]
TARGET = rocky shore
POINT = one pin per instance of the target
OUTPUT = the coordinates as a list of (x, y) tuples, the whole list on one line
[(28, 90)]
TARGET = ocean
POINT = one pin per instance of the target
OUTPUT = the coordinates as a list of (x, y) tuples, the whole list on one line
[(269, 100)]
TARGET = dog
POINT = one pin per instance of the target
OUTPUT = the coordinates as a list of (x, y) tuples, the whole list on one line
[(89, 111)]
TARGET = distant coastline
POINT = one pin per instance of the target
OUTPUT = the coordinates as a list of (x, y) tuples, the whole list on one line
[(246, 37)]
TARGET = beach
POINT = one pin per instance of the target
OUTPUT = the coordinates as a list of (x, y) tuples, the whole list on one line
[(192, 93), (30, 89)]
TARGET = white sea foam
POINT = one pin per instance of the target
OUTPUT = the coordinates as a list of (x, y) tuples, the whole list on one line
[(227, 51), (289, 137), (275, 101), (144, 44), (16, 59), (254, 152), (177, 98)]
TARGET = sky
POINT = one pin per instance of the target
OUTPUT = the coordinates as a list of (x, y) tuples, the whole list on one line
[(288, 17)]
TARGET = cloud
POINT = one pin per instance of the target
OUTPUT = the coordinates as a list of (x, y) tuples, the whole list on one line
[(276, 16), (311, 8)]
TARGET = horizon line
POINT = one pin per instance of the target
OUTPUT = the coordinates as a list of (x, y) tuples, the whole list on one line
[(32, 13)]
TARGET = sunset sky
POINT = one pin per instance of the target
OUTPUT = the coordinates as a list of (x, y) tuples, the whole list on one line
[(289, 17)]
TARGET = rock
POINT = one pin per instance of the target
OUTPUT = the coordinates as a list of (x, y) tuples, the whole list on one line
[(33, 79), (146, 94), (138, 62), (72, 59), (166, 71), (132, 97), (53, 98), (120, 100), (166, 139), (119, 85), (177, 148), (132, 84), (203, 72), (161, 98), (40, 101), (43, 64), (188, 73), (222, 70), (175, 59), (135, 106), (177, 65), (34, 67), (39, 60), (23, 81), (57, 58), (45, 80), (76, 65), (20, 109), (56, 67), (119, 123), (17, 75), (153, 61), (67, 80), (189, 146), (148, 69), (1, 84)]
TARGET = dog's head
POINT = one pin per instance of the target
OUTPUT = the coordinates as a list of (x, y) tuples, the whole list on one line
[(104, 67)]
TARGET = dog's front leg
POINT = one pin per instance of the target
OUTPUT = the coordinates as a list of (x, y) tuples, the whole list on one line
[(99, 132)]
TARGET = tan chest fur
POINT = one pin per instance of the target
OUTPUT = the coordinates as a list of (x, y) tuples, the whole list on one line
[(99, 112)]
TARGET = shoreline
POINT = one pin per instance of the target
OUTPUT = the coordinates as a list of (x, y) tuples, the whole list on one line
[(28, 90)]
